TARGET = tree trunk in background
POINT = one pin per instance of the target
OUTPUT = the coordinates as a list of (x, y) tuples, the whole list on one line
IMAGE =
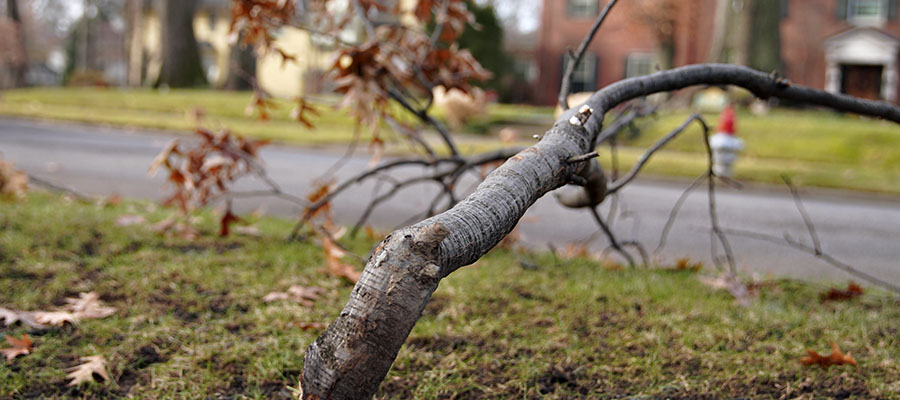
[(720, 31), (19, 63), (135, 42), (764, 47), (181, 66), (241, 68)]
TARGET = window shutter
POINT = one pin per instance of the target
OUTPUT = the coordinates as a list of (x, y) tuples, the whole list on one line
[(892, 9), (840, 10)]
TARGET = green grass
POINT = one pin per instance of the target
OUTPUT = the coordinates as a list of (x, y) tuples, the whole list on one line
[(191, 323), (817, 148)]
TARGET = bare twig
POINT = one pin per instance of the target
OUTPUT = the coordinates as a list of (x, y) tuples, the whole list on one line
[(674, 212), (579, 54), (425, 117), (713, 214), (817, 246), (788, 242), (582, 158), (615, 186), (613, 242)]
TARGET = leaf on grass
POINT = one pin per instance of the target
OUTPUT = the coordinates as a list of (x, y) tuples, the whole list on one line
[(837, 357), (228, 218), (112, 200), (685, 264), (20, 347), (306, 326), (8, 316), (333, 255), (732, 284), (55, 318), (85, 372), (130, 219), (88, 305), (27, 318), (12, 181), (574, 250), (301, 294), (834, 294)]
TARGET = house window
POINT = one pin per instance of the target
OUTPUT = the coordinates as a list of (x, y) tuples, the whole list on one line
[(581, 8), (584, 78), (864, 12), (639, 64)]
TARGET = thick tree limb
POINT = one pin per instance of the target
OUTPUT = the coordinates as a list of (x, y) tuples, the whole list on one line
[(353, 355)]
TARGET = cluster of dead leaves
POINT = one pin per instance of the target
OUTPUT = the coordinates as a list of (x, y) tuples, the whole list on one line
[(329, 233), (200, 172), (13, 182), (82, 373), (85, 306), (253, 20)]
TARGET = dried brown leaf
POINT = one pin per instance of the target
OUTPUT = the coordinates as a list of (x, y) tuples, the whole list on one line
[(305, 326), (834, 294), (20, 347), (56, 318), (12, 181), (88, 305), (85, 372), (837, 357), (300, 294)]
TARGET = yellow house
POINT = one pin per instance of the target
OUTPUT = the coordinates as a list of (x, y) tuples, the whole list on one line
[(211, 29)]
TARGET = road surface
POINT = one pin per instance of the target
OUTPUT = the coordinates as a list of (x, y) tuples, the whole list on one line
[(861, 230)]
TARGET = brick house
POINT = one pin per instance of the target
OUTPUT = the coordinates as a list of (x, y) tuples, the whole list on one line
[(848, 46)]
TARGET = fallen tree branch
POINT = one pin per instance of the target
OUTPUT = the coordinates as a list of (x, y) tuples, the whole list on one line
[(354, 354)]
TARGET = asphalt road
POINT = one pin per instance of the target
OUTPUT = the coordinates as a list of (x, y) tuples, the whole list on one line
[(861, 230)]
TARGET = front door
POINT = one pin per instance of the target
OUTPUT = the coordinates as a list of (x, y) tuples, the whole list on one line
[(862, 81)]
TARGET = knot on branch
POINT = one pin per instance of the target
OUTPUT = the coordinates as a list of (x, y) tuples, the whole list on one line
[(778, 81), (429, 237), (593, 191)]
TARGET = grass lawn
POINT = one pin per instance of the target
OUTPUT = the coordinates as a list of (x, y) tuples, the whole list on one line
[(817, 148), (191, 323)]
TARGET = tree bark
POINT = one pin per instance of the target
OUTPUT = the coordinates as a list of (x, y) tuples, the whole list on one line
[(181, 65), (135, 42), (241, 67), (354, 354), (19, 61), (764, 47)]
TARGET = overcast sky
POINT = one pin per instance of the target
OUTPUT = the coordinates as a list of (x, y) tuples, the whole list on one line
[(526, 13)]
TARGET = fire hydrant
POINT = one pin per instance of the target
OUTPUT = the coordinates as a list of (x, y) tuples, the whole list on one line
[(725, 146)]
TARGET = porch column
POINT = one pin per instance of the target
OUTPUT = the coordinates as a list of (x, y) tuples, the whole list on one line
[(889, 87), (832, 77)]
